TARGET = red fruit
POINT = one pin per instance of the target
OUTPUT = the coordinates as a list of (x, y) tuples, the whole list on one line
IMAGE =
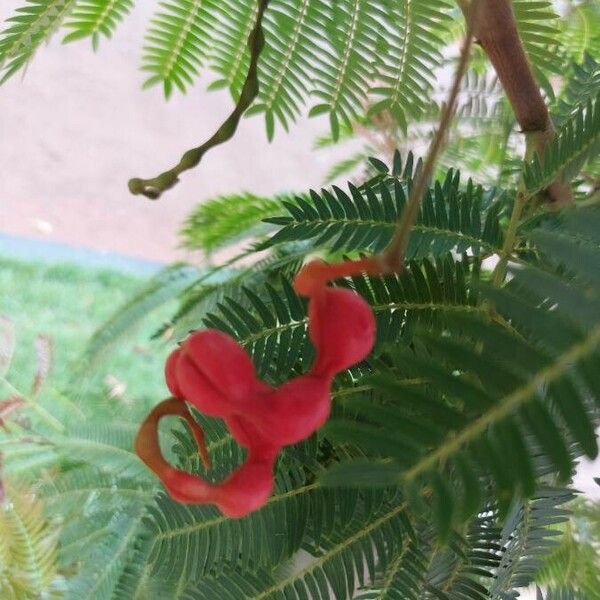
[(170, 373), (342, 329), (312, 277), (294, 411), (198, 390), (247, 432), (223, 362), (247, 489), (187, 488), (213, 372)]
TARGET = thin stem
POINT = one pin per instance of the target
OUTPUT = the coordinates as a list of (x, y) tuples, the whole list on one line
[(393, 256), (521, 201), (152, 188), (511, 235)]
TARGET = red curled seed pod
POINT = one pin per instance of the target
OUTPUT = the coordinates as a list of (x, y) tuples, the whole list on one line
[(214, 373), (223, 362), (294, 411), (342, 328), (247, 489)]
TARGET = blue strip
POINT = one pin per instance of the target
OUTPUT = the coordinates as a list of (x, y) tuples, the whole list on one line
[(32, 250)]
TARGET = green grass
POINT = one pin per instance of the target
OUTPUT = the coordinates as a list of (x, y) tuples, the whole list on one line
[(67, 303)]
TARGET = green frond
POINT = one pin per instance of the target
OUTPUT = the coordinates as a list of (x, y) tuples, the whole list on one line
[(164, 286), (346, 68), (581, 30), (415, 34), (495, 558), (338, 563), (105, 564), (273, 331), (230, 585), (27, 30), (135, 582), (65, 493), (23, 458), (402, 576), (452, 217), (467, 566), (28, 546), (184, 539), (528, 537), (386, 558), (480, 98), (345, 166), (104, 542), (326, 140), (294, 35), (229, 53), (177, 43), (8, 343), (188, 543), (106, 446), (191, 541), (273, 327), (577, 141), (538, 27), (225, 220), (93, 18)]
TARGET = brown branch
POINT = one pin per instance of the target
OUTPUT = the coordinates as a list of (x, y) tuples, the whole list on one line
[(495, 28)]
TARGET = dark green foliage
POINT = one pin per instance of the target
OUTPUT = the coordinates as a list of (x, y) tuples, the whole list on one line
[(575, 561), (425, 484), (581, 29), (230, 56), (348, 59), (438, 476), (286, 73), (528, 536), (453, 216), (412, 51), (577, 141)]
